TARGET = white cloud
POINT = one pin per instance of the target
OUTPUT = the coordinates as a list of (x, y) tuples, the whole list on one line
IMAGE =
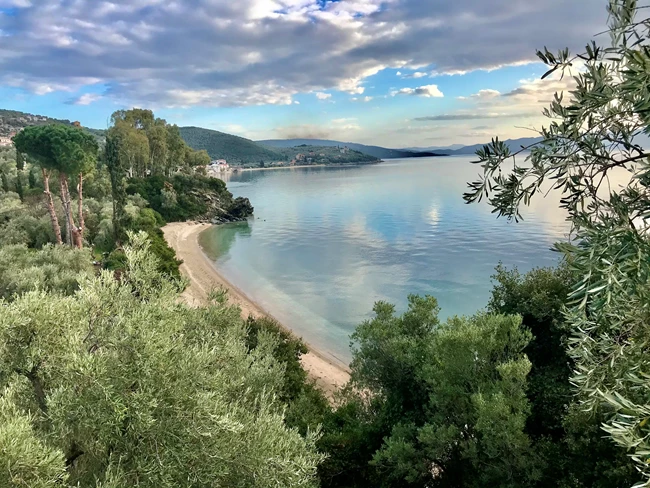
[(417, 74), (323, 96), (86, 99), (367, 99), (429, 91), (524, 102), (145, 54)]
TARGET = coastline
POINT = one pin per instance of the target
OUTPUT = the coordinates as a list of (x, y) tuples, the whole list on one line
[(328, 373), (335, 165)]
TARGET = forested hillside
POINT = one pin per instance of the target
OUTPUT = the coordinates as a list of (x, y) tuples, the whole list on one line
[(12, 121), (236, 150), (376, 151), (306, 154)]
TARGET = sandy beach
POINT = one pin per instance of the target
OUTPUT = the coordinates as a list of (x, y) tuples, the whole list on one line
[(203, 276)]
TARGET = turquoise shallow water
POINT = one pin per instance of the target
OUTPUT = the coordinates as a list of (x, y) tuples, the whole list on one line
[(326, 243)]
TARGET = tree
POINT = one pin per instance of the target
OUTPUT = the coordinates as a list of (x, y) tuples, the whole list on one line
[(31, 179), (176, 150), (196, 159), (117, 167), (68, 150), (561, 431), (19, 186), (158, 149), (594, 133), (434, 404), (135, 389), (5, 182)]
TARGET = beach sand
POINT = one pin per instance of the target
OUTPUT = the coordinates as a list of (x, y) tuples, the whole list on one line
[(204, 276)]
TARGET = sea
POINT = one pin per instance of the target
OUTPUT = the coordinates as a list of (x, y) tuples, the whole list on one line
[(325, 244)]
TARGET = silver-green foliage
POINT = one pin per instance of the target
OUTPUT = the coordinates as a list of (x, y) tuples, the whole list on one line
[(51, 268), (122, 385), (594, 132)]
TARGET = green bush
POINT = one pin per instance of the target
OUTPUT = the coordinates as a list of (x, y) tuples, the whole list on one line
[(54, 268), (120, 385), (195, 196)]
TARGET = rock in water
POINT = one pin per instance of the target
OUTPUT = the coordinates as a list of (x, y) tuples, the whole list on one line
[(241, 208)]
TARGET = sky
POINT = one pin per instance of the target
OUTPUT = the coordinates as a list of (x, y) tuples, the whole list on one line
[(395, 73)]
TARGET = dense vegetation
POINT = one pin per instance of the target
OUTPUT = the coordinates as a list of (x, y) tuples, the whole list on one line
[(325, 155), (13, 121), (107, 379), (133, 389), (182, 197), (243, 152), (376, 151), (236, 150)]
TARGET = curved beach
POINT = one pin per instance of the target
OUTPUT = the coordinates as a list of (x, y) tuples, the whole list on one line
[(204, 276)]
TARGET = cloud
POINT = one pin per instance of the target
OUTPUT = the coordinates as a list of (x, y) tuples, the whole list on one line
[(525, 101), (471, 116), (250, 52), (417, 74), (367, 99), (323, 96), (336, 129), (85, 99), (421, 91)]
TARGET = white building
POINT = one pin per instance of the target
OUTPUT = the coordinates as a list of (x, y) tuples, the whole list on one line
[(219, 166)]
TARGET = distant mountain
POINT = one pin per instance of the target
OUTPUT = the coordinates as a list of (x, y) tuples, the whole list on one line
[(513, 144), (234, 149), (453, 147), (376, 151)]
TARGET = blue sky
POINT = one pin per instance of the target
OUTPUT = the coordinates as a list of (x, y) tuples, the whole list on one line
[(397, 73)]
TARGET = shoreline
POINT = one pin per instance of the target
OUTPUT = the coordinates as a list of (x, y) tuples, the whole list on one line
[(335, 165), (329, 373)]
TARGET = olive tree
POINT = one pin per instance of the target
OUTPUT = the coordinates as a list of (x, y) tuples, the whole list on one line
[(136, 389), (593, 132)]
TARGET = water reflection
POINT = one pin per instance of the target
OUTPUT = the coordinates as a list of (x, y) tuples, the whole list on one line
[(328, 243), (216, 241)]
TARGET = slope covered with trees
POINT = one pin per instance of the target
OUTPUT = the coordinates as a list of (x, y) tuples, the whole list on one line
[(236, 150)]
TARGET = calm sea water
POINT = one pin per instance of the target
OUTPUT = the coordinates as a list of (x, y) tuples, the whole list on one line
[(326, 243)]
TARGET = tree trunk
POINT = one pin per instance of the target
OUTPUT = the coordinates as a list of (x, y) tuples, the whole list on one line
[(49, 203), (74, 238), (65, 203), (82, 224)]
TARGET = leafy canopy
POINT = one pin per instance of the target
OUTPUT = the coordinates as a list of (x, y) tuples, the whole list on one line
[(593, 135), (120, 385), (67, 149), (434, 404)]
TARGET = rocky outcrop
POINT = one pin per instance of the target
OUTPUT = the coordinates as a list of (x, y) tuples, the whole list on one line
[(237, 210), (241, 208)]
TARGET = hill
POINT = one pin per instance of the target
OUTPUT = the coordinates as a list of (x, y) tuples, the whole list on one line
[(513, 144), (306, 154), (12, 121), (234, 149), (376, 151)]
